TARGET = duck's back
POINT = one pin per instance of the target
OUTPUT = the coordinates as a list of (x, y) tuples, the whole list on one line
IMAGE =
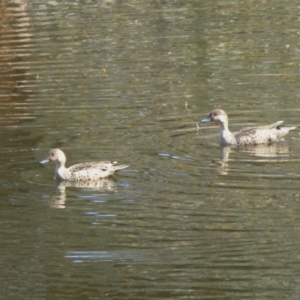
[(262, 135), (93, 170)]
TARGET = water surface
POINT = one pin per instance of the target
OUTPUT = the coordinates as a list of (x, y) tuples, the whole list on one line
[(128, 81)]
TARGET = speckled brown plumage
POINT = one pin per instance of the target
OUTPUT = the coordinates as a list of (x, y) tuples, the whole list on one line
[(83, 171), (248, 136)]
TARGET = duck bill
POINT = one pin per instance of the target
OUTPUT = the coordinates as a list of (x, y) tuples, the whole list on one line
[(208, 119), (44, 161)]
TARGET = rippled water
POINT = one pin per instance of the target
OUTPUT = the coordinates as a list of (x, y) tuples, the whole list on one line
[(128, 81)]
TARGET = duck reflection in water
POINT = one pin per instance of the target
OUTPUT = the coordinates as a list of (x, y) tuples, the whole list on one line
[(266, 152), (258, 141), (90, 175), (103, 185)]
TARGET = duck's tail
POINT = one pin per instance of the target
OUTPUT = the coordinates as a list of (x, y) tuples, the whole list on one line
[(120, 167), (286, 128), (291, 127)]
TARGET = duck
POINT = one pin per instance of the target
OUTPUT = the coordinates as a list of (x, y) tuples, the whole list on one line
[(83, 171), (249, 136)]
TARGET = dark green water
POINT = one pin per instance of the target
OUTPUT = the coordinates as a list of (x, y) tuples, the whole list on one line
[(128, 81)]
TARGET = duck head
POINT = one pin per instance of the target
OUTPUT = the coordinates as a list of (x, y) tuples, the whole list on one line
[(217, 115), (55, 155)]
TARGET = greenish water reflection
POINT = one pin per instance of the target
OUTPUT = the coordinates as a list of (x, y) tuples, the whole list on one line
[(128, 81)]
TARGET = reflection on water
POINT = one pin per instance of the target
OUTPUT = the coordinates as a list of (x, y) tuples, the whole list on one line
[(17, 85), (111, 79), (14, 48), (101, 185), (133, 255), (270, 150), (274, 153)]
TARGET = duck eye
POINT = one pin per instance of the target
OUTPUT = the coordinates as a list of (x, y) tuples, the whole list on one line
[(215, 114), (51, 154)]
